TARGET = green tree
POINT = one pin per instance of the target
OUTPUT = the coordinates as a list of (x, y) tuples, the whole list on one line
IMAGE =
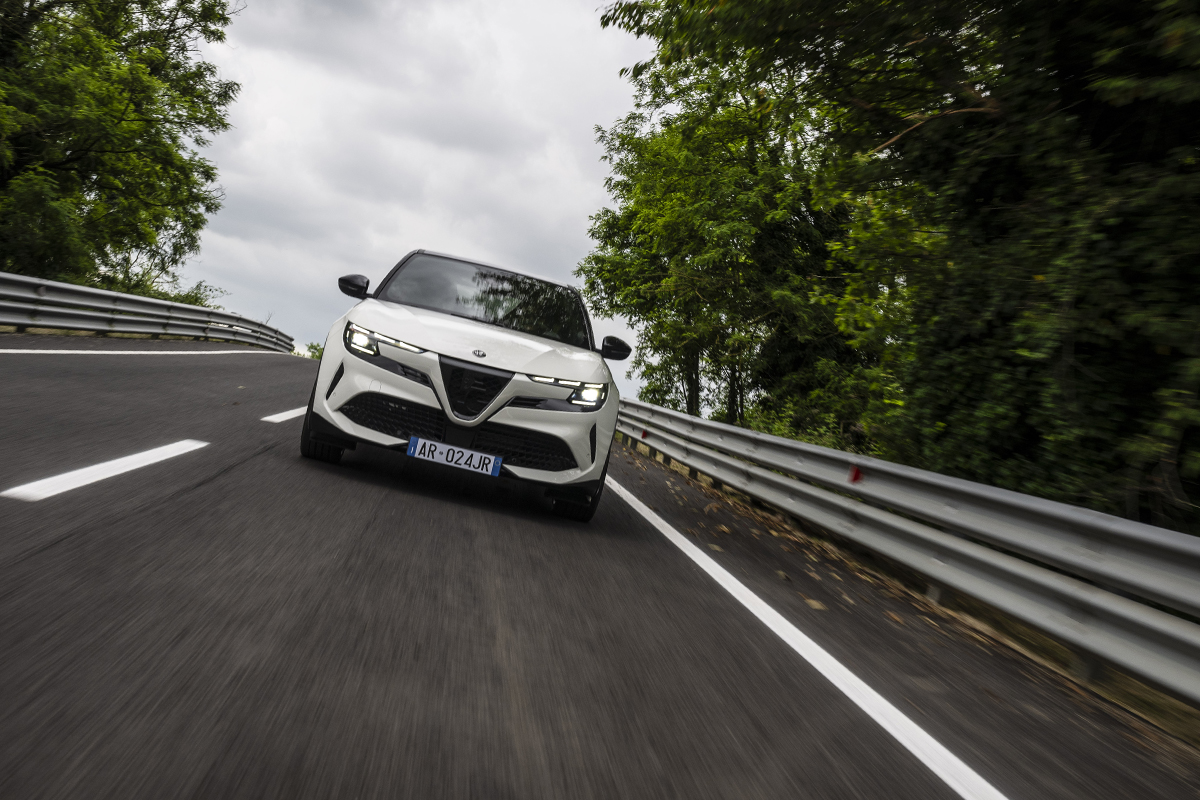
[(103, 108), (1023, 180), (713, 251)]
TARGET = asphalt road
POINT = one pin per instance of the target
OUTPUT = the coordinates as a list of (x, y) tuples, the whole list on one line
[(238, 621)]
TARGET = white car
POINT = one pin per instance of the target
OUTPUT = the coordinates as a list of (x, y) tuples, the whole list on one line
[(473, 366)]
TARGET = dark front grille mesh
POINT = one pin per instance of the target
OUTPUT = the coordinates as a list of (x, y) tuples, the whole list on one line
[(517, 446), (395, 417), (524, 448), (471, 388)]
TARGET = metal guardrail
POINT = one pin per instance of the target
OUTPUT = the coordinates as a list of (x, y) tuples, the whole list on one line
[(33, 302), (1096, 582)]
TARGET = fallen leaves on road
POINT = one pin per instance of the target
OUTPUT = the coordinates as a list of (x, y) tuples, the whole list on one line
[(716, 547)]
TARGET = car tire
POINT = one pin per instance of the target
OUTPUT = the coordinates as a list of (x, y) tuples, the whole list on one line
[(582, 511), (309, 447)]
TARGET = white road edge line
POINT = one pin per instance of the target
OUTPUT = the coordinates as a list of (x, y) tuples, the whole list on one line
[(947, 766), (48, 487), (283, 416), (247, 351)]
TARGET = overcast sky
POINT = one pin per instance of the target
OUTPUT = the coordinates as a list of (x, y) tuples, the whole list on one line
[(368, 128)]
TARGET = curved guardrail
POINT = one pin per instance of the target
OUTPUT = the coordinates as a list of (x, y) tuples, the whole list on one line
[(1097, 582), (34, 302)]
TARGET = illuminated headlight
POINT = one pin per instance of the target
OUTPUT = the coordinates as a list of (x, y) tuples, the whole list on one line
[(361, 340), (588, 395)]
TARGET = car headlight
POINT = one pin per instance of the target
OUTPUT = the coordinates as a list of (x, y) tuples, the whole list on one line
[(587, 395), (361, 340)]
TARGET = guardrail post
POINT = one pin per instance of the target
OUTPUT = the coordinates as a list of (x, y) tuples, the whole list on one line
[(1085, 667)]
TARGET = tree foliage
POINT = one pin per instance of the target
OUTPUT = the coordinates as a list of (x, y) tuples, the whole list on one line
[(1021, 188), (715, 249), (104, 105)]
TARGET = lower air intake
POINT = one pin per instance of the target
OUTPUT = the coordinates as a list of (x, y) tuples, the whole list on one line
[(395, 417), (518, 447), (524, 448)]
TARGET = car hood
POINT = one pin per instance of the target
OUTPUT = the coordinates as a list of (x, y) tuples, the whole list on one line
[(460, 338)]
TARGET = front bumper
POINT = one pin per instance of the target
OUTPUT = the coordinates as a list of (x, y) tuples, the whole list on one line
[(385, 399)]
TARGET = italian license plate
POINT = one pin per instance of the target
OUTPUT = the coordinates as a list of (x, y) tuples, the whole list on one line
[(454, 456)]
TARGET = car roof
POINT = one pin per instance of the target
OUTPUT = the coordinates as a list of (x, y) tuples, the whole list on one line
[(492, 266)]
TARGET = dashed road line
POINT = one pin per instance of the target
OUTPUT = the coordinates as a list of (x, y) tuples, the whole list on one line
[(947, 766), (48, 487), (283, 416)]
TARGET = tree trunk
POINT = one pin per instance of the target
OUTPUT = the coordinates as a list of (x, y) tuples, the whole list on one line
[(692, 390)]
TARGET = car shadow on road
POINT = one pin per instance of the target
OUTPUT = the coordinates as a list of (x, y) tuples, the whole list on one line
[(387, 467), (515, 499)]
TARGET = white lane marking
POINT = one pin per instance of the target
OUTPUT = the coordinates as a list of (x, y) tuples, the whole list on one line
[(48, 487), (143, 352), (283, 416), (947, 766)]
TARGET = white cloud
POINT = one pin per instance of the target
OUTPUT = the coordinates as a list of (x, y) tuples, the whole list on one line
[(367, 129)]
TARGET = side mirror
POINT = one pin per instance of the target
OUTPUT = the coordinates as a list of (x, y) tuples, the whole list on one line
[(614, 349), (354, 285)]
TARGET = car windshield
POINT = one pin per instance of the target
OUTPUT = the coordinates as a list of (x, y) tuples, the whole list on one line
[(513, 301)]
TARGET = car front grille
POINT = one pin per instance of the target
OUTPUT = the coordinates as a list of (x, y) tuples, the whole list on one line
[(524, 448), (395, 417), (471, 387), (518, 447)]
